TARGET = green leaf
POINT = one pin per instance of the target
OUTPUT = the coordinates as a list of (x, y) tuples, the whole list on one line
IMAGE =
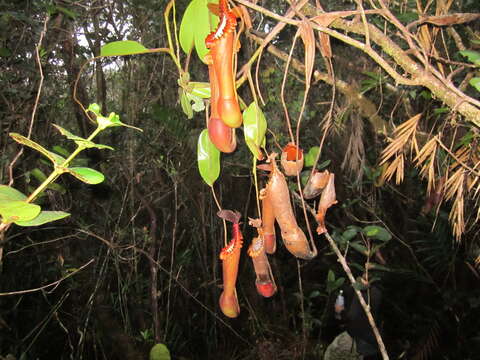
[(186, 34), (38, 174), (111, 121), (95, 108), (208, 157), (43, 218), (87, 175), (472, 56), (185, 103), (56, 159), (5, 52), (200, 89), (254, 128), (195, 27), (159, 352), (359, 286), (61, 150), (81, 142), (339, 282), (8, 193), (332, 283), (14, 210), (441, 110), (330, 276), (311, 155), (359, 247), (350, 232), (475, 82), (377, 232), (124, 47)]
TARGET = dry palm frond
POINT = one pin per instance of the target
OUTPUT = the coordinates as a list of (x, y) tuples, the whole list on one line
[(395, 167), (455, 190), (403, 134), (426, 159), (461, 156), (354, 158)]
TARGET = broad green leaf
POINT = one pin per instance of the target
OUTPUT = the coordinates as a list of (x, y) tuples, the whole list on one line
[(254, 128), (186, 34), (43, 218), (475, 82), (208, 158), (359, 247), (14, 210), (8, 193), (124, 47), (311, 155), (472, 56), (87, 175), (56, 159), (350, 232), (185, 104), (202, 28), (339, 282), (159, 352), (81, 141), (195, 27), (200, 89), (377, 232), (330, 276)]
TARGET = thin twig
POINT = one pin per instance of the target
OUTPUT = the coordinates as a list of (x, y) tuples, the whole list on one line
[(48, 285), (37, 100)]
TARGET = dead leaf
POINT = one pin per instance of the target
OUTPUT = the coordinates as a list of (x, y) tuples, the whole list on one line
[(327, 199)]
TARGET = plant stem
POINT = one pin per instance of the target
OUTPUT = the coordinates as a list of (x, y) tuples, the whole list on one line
[(60, 169)]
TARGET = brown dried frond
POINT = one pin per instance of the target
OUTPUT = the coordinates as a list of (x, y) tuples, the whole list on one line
[(403, 134), (454, 187), (355, 154), (461, 155), (426, 156), (477, 190), (395, 167)]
